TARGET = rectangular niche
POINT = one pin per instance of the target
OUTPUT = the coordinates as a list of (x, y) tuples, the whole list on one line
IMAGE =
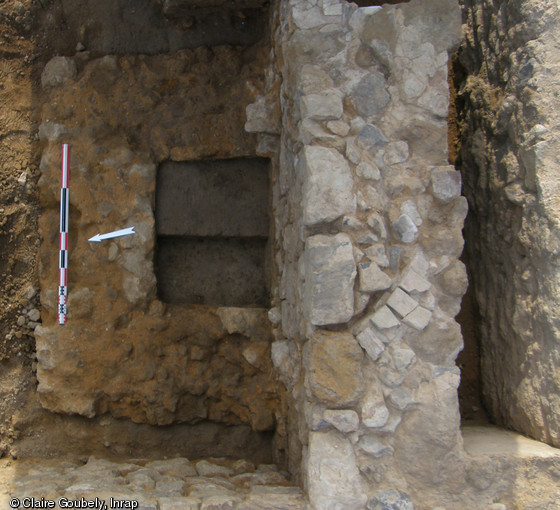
[(212, 221)]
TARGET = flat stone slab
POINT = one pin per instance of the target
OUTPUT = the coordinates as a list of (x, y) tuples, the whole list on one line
[(165, 484)]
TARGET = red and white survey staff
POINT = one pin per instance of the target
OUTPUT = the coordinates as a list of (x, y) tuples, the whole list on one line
[(63, 251)]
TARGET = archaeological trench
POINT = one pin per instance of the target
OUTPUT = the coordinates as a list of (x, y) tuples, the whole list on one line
[(342, 289)]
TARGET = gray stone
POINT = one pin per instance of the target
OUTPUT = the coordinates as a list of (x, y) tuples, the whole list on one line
[(51, 131), (324, 106), (396, 152), (401, 302), (403, 359), (344, 420), (329, 279), (373, 446), (262, 117), (371, 138), (405, 229), (384, 318), (372, 279), (334, 480), (368, 171), (446, 183), (374, 411), (338, 127), (413, 282), (207, 468), (377, 223), (219, 503), (57, 71), (409, 208), (370, 95), (400, 398), (327, 185), (390, 500), (370, 343), (378, 254), (419, 318), (353, 152)]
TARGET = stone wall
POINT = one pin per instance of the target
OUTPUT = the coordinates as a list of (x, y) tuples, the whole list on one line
[(368, 218), (509, 160), (123, 351)]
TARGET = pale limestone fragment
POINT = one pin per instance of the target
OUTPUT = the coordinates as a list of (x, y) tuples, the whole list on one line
[(334, 479), (345, 420), (384, 318), (401, 302), (371, 344), (329, 279), (419, 318), (372, 279), (338, 127), (327, 186), (326, 105), (374, 411), (413, 282)]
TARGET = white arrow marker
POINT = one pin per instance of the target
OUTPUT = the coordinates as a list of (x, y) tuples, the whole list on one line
[(117, 233)]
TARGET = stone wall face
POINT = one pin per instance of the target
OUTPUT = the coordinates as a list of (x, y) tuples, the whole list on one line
[(368, 218), (123, 351), (509, 162)]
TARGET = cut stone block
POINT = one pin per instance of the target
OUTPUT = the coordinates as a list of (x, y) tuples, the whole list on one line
[(372, 279), (401, 302), (370, 343), (329, 279), (324, 106), (446, 183), (413, 282), (333, 361), (419, 318), (384, 318), (327, 185)]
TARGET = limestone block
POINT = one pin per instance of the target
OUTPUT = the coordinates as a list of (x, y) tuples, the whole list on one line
[(370, 95), (371, 138), (378, 254), (338, 127), (384, 318), (324, 106), (403, 359), (327, 185), (333, 478), (262, 116), (389, 500), (413, 282), (419, 318), (372, 445), (372, 279), (401, 399), (374, 411), (401, 302), (345, 420), (396, 152), (370, 343), (57, 71), (333, 367), (329, 279), (368, 171), (446, 183), (405, 229)]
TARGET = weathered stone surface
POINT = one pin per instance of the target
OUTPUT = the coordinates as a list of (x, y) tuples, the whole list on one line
[(374, 411), (345, 420), (333, 477), (327, 185), (58, 71), (401, 302), (384, 318), (329, 279), (370, 343), (446, 183), (405, 229), (390, 500), (324, 106), (372, 279), (333, 373), (370, 95)]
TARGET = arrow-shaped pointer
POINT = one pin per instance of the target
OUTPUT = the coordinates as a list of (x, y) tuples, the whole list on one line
[(117, 233)]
